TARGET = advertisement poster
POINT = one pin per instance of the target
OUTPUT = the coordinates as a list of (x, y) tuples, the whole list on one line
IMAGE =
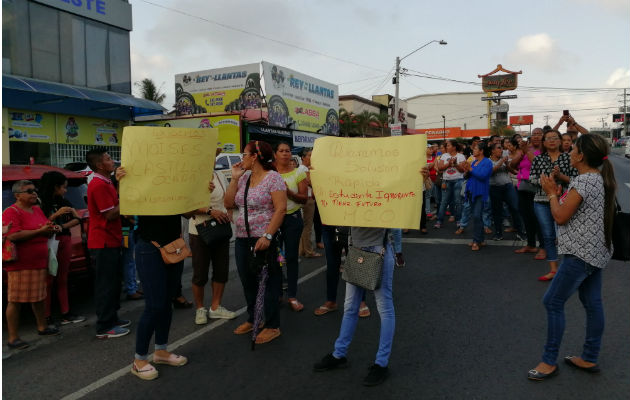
[(72, 129), (369, 182), (218, 90), (300, 101), (31, 126), (228, 126), (167, 169)]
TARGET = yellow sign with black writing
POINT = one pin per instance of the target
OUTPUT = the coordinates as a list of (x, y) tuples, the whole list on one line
[(168, 169), (373, 182)]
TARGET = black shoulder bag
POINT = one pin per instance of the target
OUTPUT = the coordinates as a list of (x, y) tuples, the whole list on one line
[(256, 258), (212, 230)]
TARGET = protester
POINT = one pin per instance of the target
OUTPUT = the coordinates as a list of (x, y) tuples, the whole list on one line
[(104, 241), (553, 163), (585, 219), (29, 229), (306, 244), (567, 142), (266, 202), (432, 164), (477, 190), (522, 161), (292, 225), (217, 253), (452, 164), (502, 191), (58, 210)]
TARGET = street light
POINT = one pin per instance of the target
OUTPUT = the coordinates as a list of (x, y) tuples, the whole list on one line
[(398, 60), (444, 131)]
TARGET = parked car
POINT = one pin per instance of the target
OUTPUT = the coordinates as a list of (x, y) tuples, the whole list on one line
[(224, 162), (76, 195), (627, 151), (622, 141)]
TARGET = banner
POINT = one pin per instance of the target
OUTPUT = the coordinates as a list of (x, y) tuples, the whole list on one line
[(229, 128), (305, 139), (372, 182), (31, 126), (168, 169), (306, 103), (521, 119), (218, 90)]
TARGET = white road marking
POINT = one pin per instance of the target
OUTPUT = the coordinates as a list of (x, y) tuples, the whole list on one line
[(186, 339)]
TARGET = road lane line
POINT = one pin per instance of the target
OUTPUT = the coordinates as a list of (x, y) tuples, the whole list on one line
[(186, 339)]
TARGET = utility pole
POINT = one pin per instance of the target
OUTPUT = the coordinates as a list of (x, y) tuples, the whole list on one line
[(547, 119), (625, 112), (395, 113)]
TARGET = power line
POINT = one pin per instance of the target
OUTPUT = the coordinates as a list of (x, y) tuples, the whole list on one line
[(258, 35)]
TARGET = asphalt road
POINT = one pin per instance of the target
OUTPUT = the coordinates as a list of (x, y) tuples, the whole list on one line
[(469, 326)]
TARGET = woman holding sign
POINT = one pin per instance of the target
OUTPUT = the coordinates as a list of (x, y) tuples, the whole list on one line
[(260, 193), (297, 195)]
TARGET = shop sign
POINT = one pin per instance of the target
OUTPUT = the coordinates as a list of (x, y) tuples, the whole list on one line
[(31, 126), (72, 129), (229, 127), (300, 101), (305, 139), (499, 83), (504, 97), (111, 12), (619, 117), (396, 129), (267, 130), (218, 90), (500, 108), (521, 119), (437, 133)]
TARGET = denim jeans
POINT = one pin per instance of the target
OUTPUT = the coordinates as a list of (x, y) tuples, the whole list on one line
[(385, 305), (437, 194), (547, 229), (574, 274), (467, 212), (249, 280), (291, 229), (498, 195), (129, 264), (107, 277), (427, 201), (397, 239), (160, 282), (451, 195), (477, 212)]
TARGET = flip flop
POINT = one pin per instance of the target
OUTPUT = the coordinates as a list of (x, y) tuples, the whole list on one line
[(524, 250), (364, 312), (296, 305), (539, 257), (324, 309), (173, 360)]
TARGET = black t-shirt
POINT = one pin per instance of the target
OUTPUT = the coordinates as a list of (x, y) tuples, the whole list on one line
[(50, 209), (162, 229)]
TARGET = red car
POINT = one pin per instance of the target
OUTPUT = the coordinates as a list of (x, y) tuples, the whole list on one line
[(77, 195)]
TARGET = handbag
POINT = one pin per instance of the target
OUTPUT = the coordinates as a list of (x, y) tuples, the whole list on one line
[(212, 231), (53, 264), (173, 252), (621, 235), (9, 251), (364, 268), (526, 186)]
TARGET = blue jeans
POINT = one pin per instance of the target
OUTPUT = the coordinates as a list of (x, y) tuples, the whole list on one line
[(547, 229), (574, 274), (160, 282), (477, 212), (498, 195), (385, 305), (291, 229), (427, 201), (437, 195), (467, 211), (397, 239), (452, 195), (129, 264)]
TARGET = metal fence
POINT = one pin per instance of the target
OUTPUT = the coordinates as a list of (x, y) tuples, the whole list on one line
[(68, 153)]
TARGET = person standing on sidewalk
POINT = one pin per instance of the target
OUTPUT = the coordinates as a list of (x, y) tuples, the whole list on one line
[(104, 241), (585, 219), (306, 244), (452, 164)]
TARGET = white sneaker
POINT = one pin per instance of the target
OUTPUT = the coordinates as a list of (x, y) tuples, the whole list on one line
[(201, 316), (221, 312)]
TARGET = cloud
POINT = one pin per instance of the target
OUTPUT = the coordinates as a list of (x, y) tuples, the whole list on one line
[(541, 52), (619, 78), (618, 8)]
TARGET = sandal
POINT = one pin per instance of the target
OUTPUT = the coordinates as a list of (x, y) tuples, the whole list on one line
[(148, 372), (459, 231), (296, 305), (546, 277), (526, 249), (324, 309), (267, 335), (475, 247), (541, 255), (18, 344), (173, 360), (364, 312)]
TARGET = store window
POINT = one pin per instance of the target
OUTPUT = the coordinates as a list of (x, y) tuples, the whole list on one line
[(96, 56), (72, 37), (119, 62), (44, 22), (16, 39)]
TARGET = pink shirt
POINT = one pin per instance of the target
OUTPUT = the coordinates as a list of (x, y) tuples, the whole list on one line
[(259, 203), (524, 166)]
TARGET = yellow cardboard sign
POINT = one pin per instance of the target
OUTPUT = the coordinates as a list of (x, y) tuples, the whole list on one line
[(374, 182), (168, 169)]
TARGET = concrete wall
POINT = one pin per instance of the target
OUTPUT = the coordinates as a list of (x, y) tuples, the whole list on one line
[(460, 109)]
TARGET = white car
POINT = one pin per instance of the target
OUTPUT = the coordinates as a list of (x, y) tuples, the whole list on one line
[(627, 152), (224, 162)]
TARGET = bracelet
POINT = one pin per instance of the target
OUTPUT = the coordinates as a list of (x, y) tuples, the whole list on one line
[(209, 211), (551, 197)]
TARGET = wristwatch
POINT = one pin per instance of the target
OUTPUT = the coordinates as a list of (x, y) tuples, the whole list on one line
[(268, 236)]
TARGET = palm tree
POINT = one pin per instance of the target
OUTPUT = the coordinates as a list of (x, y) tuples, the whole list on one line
[(149, 91), (346, 122), (382, 119)]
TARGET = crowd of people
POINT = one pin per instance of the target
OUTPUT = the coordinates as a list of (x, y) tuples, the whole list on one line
[(548, 191)]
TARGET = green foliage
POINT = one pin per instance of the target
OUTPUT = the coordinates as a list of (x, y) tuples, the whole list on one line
[(149, 91)]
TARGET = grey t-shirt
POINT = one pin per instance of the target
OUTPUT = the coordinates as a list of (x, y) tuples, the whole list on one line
[(365, 237), (500, 177)]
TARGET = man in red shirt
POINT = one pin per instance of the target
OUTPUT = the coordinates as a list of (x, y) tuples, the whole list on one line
[(104, 243)]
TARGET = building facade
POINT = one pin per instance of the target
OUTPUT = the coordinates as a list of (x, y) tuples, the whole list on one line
[(465, 110)]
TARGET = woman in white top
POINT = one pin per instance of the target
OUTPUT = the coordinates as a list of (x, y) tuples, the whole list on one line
[(217, 252)]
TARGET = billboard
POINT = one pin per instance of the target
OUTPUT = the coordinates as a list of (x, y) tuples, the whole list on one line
[(229, 127), (521, 119), (218, 90), (306, 103)]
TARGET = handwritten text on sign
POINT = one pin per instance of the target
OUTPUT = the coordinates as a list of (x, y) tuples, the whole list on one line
[(168, 169), (373, 182)]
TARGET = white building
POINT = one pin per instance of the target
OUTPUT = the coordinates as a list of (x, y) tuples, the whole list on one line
[(465, 110)]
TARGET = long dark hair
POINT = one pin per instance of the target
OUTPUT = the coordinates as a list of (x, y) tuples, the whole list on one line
[(48, 183), (264, 153), (594, 148)]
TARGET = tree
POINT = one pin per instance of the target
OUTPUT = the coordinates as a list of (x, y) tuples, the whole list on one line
[(363, 121), (501, 130), (149, 91), (346, 122)]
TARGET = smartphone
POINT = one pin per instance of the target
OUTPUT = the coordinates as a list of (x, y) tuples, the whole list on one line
[(565, 112)]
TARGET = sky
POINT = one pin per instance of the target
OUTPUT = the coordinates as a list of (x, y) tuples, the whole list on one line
[(561, 46)]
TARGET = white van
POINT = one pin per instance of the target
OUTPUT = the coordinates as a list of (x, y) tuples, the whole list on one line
[(224, 162)]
